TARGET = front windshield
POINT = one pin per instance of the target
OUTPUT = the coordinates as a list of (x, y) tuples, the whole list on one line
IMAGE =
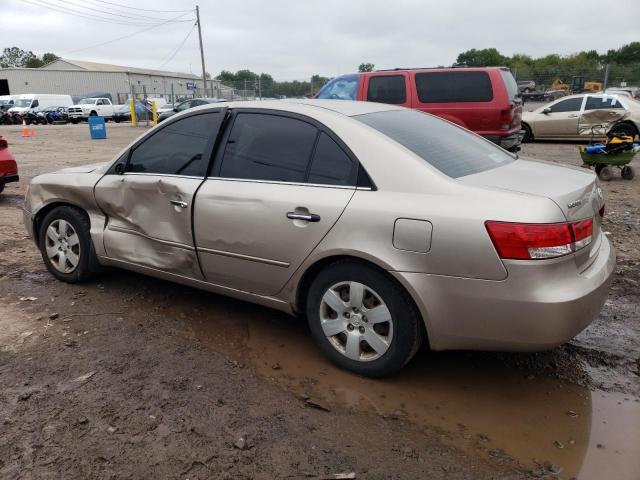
[(87, 101), (449, 148), (341, 88), (24, 102), (5, 102)]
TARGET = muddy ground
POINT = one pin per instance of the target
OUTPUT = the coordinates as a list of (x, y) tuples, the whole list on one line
[(133, 377)]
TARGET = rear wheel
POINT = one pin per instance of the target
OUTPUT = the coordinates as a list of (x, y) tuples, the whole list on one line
[(628, 173), (605, 172), (624, 129), (362, 320), (65, 244)]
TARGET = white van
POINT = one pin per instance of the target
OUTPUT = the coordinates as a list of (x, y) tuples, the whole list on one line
[(29, 101), (7, 101)]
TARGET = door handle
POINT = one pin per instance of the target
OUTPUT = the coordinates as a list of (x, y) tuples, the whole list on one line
[(309, 217), (573, 116), (179, 203)]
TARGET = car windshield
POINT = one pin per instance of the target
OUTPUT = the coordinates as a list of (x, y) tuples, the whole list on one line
[(87, 101), (23, 102), (447, 147), (341, 88)]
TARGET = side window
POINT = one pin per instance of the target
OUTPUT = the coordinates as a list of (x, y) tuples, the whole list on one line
[(602, 103), (179, 148), (568, 105), (35, 104), (183, 106), (330, 165), (450, 87), (387, 89), (100, 102), (268, 147)]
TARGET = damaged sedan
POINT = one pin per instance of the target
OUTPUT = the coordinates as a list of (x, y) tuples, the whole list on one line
[(386, 228)]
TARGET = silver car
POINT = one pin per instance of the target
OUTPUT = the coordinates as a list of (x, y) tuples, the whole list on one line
[(385, 227)]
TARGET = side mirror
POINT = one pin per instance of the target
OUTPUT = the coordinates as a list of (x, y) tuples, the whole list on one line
[(546, 111), (119, 169), (175, 109)]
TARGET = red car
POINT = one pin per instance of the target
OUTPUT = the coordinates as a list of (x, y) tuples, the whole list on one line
[(484, 100), (8, 166)]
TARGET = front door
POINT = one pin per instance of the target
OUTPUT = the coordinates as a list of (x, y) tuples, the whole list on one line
[(281, 183), (149, 206), (561, 120)]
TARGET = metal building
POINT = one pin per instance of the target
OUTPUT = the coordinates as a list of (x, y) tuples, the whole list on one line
[(77, 78)]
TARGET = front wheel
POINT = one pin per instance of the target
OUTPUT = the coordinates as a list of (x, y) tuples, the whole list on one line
[(528, 136), (65, 244), (363, 320)]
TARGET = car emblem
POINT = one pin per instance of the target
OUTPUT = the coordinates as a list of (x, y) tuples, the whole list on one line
[(574, 204)]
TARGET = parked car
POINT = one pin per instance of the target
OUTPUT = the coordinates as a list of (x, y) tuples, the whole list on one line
[(91, 107), (526, 86), (6, 102), (563, 118), (53, 115), (483, 100), (186, 105), (122, 113), (633, 92), (385, 226), (31, 101), (8, 165)]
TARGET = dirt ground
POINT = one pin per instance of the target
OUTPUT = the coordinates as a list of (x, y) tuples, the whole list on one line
[(132, 377)]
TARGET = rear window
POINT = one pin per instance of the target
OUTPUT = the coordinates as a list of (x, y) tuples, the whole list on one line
[(510, 84), (450, 149), (341, 88), (448, 87), (387, 89)]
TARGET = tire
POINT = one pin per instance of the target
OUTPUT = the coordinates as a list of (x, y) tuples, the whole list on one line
[(396, 340), (624, 129), (93, 114), (1, 187), (605, 173), (528, 136), (627, 172), (78, 223), (74, 121)]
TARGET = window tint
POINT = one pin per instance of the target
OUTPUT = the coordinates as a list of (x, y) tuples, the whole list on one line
[(330, 166), (341, 88), (387, 89), (568, 105), (447, 87), (183, 106), (600, 103), (450, 149), (268, 147), (179, 148), (510, 84)]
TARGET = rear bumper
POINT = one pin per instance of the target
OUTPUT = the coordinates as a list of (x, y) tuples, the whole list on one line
[(539, 306), (8, 179), (507, 142)]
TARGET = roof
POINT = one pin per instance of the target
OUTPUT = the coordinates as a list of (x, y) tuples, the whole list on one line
[(106, 67)]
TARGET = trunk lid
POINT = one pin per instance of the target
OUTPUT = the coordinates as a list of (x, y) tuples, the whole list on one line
[(574, 190)]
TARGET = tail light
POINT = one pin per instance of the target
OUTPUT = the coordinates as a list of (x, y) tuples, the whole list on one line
[(505, 117), (533, 241)]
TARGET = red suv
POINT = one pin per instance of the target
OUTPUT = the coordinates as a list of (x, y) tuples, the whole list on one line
[(484, 100), (8, 167)]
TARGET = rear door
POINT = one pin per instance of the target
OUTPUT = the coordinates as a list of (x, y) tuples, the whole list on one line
[(388, 87), (149, 206), (608, 111), (280, 184), (562, 120)]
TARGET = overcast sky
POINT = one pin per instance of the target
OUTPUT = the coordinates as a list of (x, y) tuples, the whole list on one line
[(296, 38)]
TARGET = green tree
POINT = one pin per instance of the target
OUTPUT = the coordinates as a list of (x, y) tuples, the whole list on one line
[(366, 67), (486, 57), (49, 57), (14, 57)]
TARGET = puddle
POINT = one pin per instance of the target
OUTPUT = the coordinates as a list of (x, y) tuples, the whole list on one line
[(478, 401)]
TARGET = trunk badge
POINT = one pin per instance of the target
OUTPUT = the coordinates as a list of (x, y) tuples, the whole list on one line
[(574, 204)]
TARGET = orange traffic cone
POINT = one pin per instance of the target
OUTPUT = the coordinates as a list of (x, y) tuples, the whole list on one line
[(25, 130)]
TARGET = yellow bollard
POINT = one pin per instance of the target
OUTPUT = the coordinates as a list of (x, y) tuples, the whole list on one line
[(154, 110), (132, 107)]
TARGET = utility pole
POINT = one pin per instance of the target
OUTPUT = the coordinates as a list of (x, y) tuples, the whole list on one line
[(204, 72)]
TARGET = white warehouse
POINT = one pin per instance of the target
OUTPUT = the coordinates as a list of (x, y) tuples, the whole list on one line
[(78, 78)]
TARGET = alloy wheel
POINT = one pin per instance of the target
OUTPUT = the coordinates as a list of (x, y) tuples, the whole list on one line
[(62, 246), (356, 321)]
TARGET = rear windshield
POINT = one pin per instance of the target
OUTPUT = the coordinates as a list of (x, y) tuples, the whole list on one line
[(450, 149), (510, 84), (341, 88), (449, 87)]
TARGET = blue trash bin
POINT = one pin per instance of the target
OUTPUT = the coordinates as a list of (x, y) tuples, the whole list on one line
[(97, 128)]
